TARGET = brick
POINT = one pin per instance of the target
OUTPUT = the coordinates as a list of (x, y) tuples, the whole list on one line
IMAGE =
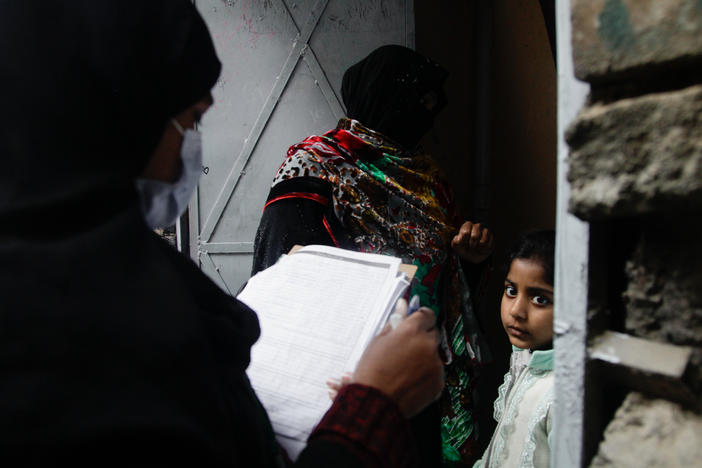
[(612, 38), (658, 369), (637, 156), (649, 432), (660, 360), (663, 298)]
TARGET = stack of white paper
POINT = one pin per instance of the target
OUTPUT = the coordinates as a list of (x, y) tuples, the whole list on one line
[(318, 308)]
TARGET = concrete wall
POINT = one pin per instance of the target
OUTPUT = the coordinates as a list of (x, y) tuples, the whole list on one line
[(636, 176)]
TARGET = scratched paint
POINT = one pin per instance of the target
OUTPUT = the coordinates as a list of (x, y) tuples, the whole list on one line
[(362, 15), (615, 26)]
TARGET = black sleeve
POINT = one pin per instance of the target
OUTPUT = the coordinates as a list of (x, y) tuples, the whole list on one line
[(298, 211)]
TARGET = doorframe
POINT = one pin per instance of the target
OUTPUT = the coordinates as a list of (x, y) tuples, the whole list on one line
[(571, 271)]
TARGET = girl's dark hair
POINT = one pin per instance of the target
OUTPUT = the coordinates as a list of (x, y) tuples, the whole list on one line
[(535, 245)]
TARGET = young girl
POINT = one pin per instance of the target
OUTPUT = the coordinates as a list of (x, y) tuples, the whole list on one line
[(524, 401)]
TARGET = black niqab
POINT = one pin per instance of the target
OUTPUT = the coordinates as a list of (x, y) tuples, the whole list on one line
[(384, 92)]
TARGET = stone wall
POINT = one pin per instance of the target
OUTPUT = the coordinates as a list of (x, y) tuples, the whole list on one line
[(636, 159), (638, 155), (651, 433)]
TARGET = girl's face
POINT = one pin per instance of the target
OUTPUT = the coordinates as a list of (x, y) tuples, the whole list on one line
[(527, 305)]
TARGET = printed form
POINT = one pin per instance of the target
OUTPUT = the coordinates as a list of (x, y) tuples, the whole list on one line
[(318, 309)]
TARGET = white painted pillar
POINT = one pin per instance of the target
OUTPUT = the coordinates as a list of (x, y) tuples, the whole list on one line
[(571, 275)]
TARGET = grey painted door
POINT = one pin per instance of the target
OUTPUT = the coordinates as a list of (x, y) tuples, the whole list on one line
[(283, 62)]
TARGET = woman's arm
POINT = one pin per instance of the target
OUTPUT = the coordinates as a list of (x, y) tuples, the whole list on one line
[(474, 244)]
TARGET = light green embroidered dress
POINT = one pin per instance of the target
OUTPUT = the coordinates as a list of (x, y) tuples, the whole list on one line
[(523, 413)]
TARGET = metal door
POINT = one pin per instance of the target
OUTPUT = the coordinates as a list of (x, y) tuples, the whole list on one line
[(283, 61)]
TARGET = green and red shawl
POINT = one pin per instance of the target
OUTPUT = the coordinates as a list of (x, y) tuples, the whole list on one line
[(398, 203)]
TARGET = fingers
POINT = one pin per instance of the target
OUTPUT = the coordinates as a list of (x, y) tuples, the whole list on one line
[(387, 328), (473, 242), (480, 236), (404, 363), (476, 232), (335, 384), (485, 236), (471, 234), (346, 378), (463, 234), (401, 306), (423, 319), (399, 313)]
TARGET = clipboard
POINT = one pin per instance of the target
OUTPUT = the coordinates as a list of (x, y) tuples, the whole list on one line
[(317, 314)]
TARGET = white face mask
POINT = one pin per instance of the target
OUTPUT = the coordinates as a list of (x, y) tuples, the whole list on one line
[(162, 203)]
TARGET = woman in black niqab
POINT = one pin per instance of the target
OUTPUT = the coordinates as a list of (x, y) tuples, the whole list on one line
[(116, 350), (367, 186)]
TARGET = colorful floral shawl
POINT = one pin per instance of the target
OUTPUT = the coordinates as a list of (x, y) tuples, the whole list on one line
[(396, 203)]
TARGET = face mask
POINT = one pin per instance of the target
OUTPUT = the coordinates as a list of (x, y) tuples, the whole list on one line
[(162, 203)]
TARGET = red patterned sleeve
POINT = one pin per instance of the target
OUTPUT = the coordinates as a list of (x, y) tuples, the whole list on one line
[(366, 421)]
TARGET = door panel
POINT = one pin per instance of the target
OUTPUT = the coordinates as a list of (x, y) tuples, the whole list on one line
[(282, 67)]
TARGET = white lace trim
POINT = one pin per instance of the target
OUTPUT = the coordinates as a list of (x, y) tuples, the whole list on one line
[(499, 404), (538, 416), (517, 363), (509, 416)]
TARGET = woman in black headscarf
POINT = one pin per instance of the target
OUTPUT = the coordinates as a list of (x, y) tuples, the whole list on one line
[(114, 348), (366, 186)]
